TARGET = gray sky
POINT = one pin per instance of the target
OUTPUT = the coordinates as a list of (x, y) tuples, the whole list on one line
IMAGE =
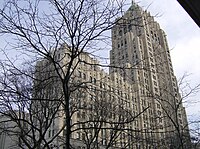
[(184, 40)]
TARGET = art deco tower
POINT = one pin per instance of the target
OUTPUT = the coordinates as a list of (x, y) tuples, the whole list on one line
[(141, 55)]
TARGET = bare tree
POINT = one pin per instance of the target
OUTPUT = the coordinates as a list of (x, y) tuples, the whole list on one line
[(25, 117), (61, 40), (171, 103), (39, 33), (194, 131)]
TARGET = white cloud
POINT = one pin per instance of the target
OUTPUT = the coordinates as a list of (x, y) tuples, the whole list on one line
[(186, 56)]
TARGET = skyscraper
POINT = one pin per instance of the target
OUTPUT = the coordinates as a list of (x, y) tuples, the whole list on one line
[(139, 43)]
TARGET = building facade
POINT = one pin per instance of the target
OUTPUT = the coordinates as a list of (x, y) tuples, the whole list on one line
[(140, 43), (136, 105)]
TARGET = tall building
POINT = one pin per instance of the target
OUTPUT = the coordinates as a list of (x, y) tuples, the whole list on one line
[(136, 105), (139, 43)]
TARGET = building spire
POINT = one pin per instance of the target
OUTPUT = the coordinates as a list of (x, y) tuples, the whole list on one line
[(133, 2)]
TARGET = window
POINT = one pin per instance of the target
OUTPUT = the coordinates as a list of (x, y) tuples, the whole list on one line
[(120, 32), (58, 56), (84, 76), (100, 84), (160, 120), (78, 114), (122, 43), (150, 54), (95, 81), (103, 85), (149, 44), (90, 79), (154, 77), (153, 71), (129, 27), (49, 133), (159, 113), (158, 105), (83, 136), (149, 48), (53, 132), (118, 45), (125, 30), (79, 74)]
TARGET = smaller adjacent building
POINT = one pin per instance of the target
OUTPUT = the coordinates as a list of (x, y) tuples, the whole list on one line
[(8, 133)]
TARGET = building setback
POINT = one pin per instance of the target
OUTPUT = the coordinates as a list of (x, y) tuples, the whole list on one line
[(136, 105)]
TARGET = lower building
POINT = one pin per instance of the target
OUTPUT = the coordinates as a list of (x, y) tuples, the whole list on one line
[(9, 133)]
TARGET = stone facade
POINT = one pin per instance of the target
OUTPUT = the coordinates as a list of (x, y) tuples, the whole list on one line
[(138, 99)]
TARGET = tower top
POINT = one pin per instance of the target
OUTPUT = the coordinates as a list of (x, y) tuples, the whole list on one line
[(133, 2)]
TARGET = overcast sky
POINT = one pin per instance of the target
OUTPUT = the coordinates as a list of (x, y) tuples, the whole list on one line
[(184, 40)]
